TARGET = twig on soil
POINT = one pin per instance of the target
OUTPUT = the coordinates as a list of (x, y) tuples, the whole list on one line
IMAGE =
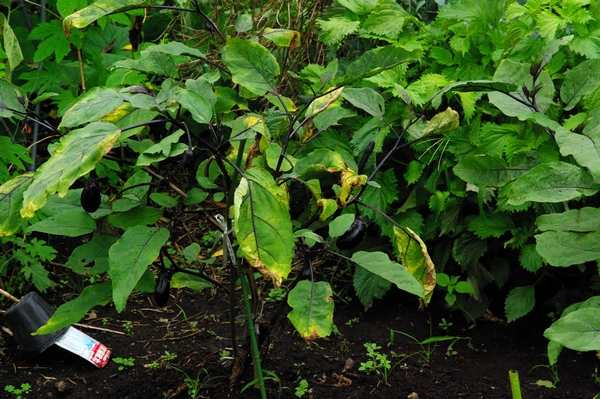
[(9, 296), (99, 328)]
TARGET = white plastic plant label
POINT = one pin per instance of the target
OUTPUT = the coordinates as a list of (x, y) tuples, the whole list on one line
[(85, 346)]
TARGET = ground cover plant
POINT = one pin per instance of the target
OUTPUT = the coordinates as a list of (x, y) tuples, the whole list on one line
[(409, 146)]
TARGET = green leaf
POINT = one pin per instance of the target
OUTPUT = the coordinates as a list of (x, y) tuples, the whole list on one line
[(519, 302), (168, 147), (11, 44), (374, 62), (584, 219), (518, 74), (585, 150), (360, 7), (11, 201), (95, 250), (38, 276), (99, 9), (54, 41), (565, 248), (129, 258), (92, 106), (380, 264), (552, 182), (369, 286), (263, 225), (530, 259), (69, 223), (198, 106), (75, 156), (251, 65), (340, 224), (492, 225), (12, 99), (312, 314), (580, 81), (73, 311), (386, 20), (578, 330), (366, 99), (138, 216), (483, 170), (243, 23), (335, 29), (185, 280), (413, 254)]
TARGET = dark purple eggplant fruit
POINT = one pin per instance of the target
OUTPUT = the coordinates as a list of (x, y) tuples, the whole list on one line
[(162, 290), (90, 196), (354, 235), (365, 157)]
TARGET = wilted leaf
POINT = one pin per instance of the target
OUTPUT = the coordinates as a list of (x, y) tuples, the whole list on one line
[(263, 225), (413, 254)]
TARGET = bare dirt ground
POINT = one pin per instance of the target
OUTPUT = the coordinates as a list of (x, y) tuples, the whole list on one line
[(194, 328)]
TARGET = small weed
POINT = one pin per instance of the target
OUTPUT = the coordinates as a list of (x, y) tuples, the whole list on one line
[(302, 388), (276, 294), (378, 363), (104, 323), (124, 362), (444, 325), (195, 385), (596, 376), (209, 238), (192, 324), (267, 375), (427, 345), (353, 321), (553, 370), (128, 326), (18, 392)]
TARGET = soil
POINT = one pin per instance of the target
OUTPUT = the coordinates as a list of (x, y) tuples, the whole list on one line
[(194, 327)]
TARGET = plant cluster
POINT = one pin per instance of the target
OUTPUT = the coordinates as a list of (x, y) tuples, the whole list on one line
[(470, 136)]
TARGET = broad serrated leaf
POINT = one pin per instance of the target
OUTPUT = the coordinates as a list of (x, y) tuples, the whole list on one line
[(38, 276), (130, 257), (414, 256), (584, 219), (11, 201), (530, 259), (312, 314), (360, 7), (335, 29), (552, 182), (54, 41), (73, 311), (69, 223), (566, 248), (76, 155), (519, 302), (492, 225), (386, 20), (369, 286), (263, 227), (251, 65), (380, 264), (578, 330), (381, 197)]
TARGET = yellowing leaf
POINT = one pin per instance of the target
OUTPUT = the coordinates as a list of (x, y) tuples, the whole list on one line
[(414, 256)]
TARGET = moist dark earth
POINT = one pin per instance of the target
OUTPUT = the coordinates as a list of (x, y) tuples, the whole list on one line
[(194, 327)]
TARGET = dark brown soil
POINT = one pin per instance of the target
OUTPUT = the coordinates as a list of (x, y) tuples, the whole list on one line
[(476, 366)]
